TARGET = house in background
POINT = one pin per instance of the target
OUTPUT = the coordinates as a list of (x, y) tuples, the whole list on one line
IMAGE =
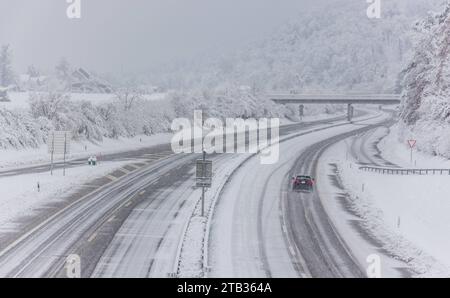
[(84, 82)]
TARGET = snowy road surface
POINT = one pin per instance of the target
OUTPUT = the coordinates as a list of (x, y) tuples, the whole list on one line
[(248, 238), (129, 227)]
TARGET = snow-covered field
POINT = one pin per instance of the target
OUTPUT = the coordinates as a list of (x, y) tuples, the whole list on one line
[(400, 153), (408, 214)]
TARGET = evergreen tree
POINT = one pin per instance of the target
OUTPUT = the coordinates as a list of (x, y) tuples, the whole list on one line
[(6, 71)]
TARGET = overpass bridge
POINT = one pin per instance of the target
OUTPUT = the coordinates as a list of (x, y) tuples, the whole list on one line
[(348, 99)]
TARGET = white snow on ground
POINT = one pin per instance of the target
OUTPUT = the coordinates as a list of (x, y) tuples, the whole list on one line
[(26, 157), (191, 260), (19, 196), (400, 153), (342, 219), (409, 214)]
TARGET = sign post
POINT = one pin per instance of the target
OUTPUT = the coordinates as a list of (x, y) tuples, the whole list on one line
[(301, 111), (59, 143), (204, 177), (412, 144), (52, 150), (65, 151)]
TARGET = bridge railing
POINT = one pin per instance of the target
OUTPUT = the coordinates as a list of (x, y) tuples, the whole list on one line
[(402, 171)]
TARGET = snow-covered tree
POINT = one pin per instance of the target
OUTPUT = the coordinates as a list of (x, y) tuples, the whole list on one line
[(426, 98), (333, 47), (128, 96), (33, 72), (63, 70), (7, 76)]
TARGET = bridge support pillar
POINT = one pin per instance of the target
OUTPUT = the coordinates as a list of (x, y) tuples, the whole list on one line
[(301, 111), (349, 112)]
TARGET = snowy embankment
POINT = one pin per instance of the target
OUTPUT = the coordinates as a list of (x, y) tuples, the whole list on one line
[(400, 153), (408, 215), (12, 158), (19, 195)]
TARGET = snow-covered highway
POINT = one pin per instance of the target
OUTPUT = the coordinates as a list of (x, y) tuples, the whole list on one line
[(129, 227), (146, 223), (264, 229)]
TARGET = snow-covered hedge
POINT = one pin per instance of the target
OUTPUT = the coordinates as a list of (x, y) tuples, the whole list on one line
[(426, 99), (20, 130), (94, 122), (117, 118)]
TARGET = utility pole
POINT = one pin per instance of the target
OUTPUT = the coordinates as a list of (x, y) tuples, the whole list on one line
[(52, 152), (65, 150), (301, 111), (203, 173), (203, 189)]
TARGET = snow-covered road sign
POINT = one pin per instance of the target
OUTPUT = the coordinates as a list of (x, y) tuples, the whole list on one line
[(412, 143), (204, 173), (59, 142)]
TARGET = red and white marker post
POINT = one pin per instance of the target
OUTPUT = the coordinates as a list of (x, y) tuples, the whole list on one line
[(412, 144)]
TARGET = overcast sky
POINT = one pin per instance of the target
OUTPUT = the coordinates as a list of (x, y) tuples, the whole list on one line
[(115, 35)]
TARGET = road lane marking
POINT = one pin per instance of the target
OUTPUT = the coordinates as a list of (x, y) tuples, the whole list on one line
[(157, 154), (125, 171), (111, 218), (111, 177), (58, 213), (93, 236), (292, 250), (142, 192)]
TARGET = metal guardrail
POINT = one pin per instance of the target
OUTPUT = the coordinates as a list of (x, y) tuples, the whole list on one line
[(402, 171)]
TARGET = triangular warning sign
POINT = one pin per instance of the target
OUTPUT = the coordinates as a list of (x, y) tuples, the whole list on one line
[(412, 143)]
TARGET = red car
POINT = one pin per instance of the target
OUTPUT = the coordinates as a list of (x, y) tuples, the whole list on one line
[(303, 183)]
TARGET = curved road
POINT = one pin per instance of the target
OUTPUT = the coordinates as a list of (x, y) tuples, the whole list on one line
[(120, 229), (262, 228)]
